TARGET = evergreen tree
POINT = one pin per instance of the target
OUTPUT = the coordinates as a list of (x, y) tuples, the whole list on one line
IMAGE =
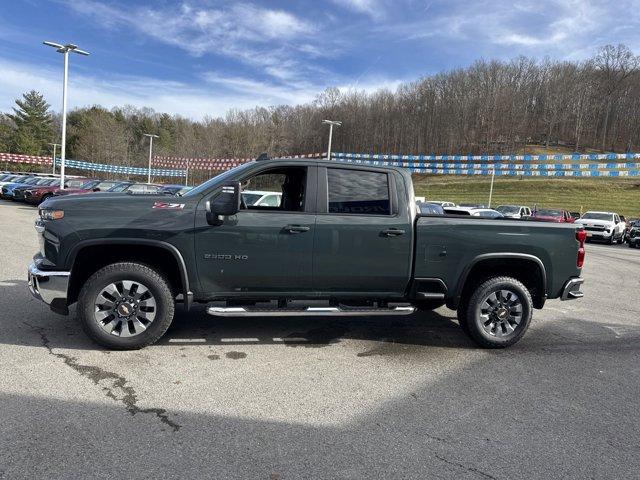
[(6, 133), (34, 125)]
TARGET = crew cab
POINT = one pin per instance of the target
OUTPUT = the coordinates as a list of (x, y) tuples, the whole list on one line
[(342, 240), (606, 226)]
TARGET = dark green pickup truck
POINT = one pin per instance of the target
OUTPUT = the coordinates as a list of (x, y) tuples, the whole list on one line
[(337, 239)]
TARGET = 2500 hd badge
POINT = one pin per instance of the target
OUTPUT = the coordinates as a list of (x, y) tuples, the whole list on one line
[(343, 240)]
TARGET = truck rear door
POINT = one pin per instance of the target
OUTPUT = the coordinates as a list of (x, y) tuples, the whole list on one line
[(363, 234)]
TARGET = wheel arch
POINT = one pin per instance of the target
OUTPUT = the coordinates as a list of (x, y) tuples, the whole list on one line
[(504, 264), (88, 256)]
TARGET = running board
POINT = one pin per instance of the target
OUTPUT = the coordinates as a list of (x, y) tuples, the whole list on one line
[(309, 311)]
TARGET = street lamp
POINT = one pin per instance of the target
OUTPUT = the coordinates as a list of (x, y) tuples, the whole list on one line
[(151, 137), (64, 49), (54, 145), (331, 123), (493, 176)]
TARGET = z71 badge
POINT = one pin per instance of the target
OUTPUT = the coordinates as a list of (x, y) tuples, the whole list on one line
[(168, 206), (224, 256)]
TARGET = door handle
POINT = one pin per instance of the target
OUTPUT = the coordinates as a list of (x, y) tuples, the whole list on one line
[(296, 228), (392, 232)]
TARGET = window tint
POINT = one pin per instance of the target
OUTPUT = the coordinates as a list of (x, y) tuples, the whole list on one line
[(357, 191)]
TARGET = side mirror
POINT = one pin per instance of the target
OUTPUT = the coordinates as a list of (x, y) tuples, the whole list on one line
[(225, 203)]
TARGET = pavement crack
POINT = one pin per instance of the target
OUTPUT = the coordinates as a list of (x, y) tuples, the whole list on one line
[(118, 391), (465, 467)]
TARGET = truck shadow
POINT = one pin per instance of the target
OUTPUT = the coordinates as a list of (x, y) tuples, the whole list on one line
[(23, 315), (432, 328)]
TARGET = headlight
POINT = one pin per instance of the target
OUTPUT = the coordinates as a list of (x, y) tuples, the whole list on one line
[(51, 214)]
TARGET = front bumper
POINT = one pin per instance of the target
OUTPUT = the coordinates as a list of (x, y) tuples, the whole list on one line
[(571, 289), (49, 286)]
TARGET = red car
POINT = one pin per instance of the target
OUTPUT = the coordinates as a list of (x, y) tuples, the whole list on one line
[(556, 215), (39, 194)]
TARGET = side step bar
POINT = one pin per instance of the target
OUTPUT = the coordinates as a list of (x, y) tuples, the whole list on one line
[(308, 311)]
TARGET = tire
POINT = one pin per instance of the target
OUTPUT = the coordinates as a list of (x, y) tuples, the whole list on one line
[(44, 198), (122, 289), (507, 317), (612, 238)]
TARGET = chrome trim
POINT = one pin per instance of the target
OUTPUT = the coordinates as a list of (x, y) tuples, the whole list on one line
[(571, 289), (47, 285), (309, 311), (39, 226)]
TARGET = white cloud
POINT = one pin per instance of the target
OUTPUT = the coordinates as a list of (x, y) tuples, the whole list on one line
[(373, 8), (256, 36), (214, 99)]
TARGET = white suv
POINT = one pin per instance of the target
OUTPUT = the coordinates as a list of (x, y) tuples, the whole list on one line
[(606, 226)]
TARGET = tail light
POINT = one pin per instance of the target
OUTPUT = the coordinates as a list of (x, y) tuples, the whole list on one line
[(581, 236)]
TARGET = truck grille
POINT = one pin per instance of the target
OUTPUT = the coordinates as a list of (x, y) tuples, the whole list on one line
[(594, 228)]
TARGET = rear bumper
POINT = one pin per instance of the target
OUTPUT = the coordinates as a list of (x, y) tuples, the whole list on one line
[(571, 290), (50, 287)]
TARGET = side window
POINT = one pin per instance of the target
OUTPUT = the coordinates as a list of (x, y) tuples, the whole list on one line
[(358, 192), (279, 189)]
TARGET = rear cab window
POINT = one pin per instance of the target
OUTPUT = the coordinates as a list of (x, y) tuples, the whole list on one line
[(358, 192)]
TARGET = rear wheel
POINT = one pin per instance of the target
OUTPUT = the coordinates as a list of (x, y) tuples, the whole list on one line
[(497, 313), (45, 197), (125, 306)]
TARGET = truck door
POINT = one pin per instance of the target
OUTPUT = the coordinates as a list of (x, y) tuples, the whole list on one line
[(263, 249), (364, 231)]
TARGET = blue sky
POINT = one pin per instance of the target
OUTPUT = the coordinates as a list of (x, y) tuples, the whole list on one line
[(201, 58)]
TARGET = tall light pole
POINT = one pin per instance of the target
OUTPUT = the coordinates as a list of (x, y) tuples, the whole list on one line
[(54, 145), (64, 49), (151, 137), (331, 123), (493, 175)]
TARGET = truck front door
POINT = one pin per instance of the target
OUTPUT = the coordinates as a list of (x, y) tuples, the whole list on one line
[(363, 236), (263, 249)]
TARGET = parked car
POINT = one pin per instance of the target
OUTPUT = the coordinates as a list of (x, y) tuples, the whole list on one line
[(428, 208), (37, 194), (14, 179), (514, 211), (634, 234), (6, 192), (120, 186), (171, 189), (310, 256), (556, 215), (89, 187), (607, 226), (473, 212), (18, 193), (143, 188), (441, 203), (575, 215), (472, 205), (261, 198)]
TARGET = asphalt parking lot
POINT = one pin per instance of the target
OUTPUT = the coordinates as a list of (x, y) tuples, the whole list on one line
[(300, 398)]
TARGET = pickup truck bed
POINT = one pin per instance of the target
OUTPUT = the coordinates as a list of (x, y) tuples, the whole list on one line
[(344, 240)]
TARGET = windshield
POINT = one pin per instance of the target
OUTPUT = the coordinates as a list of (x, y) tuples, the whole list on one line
[(508, 209), (598, 216), (44, 181), (89, 184), (120, 188), (74, 183), (548, 213), (203, 187)]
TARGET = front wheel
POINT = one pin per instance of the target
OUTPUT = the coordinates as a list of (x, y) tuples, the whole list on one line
[(497, 313), (125, 306)]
